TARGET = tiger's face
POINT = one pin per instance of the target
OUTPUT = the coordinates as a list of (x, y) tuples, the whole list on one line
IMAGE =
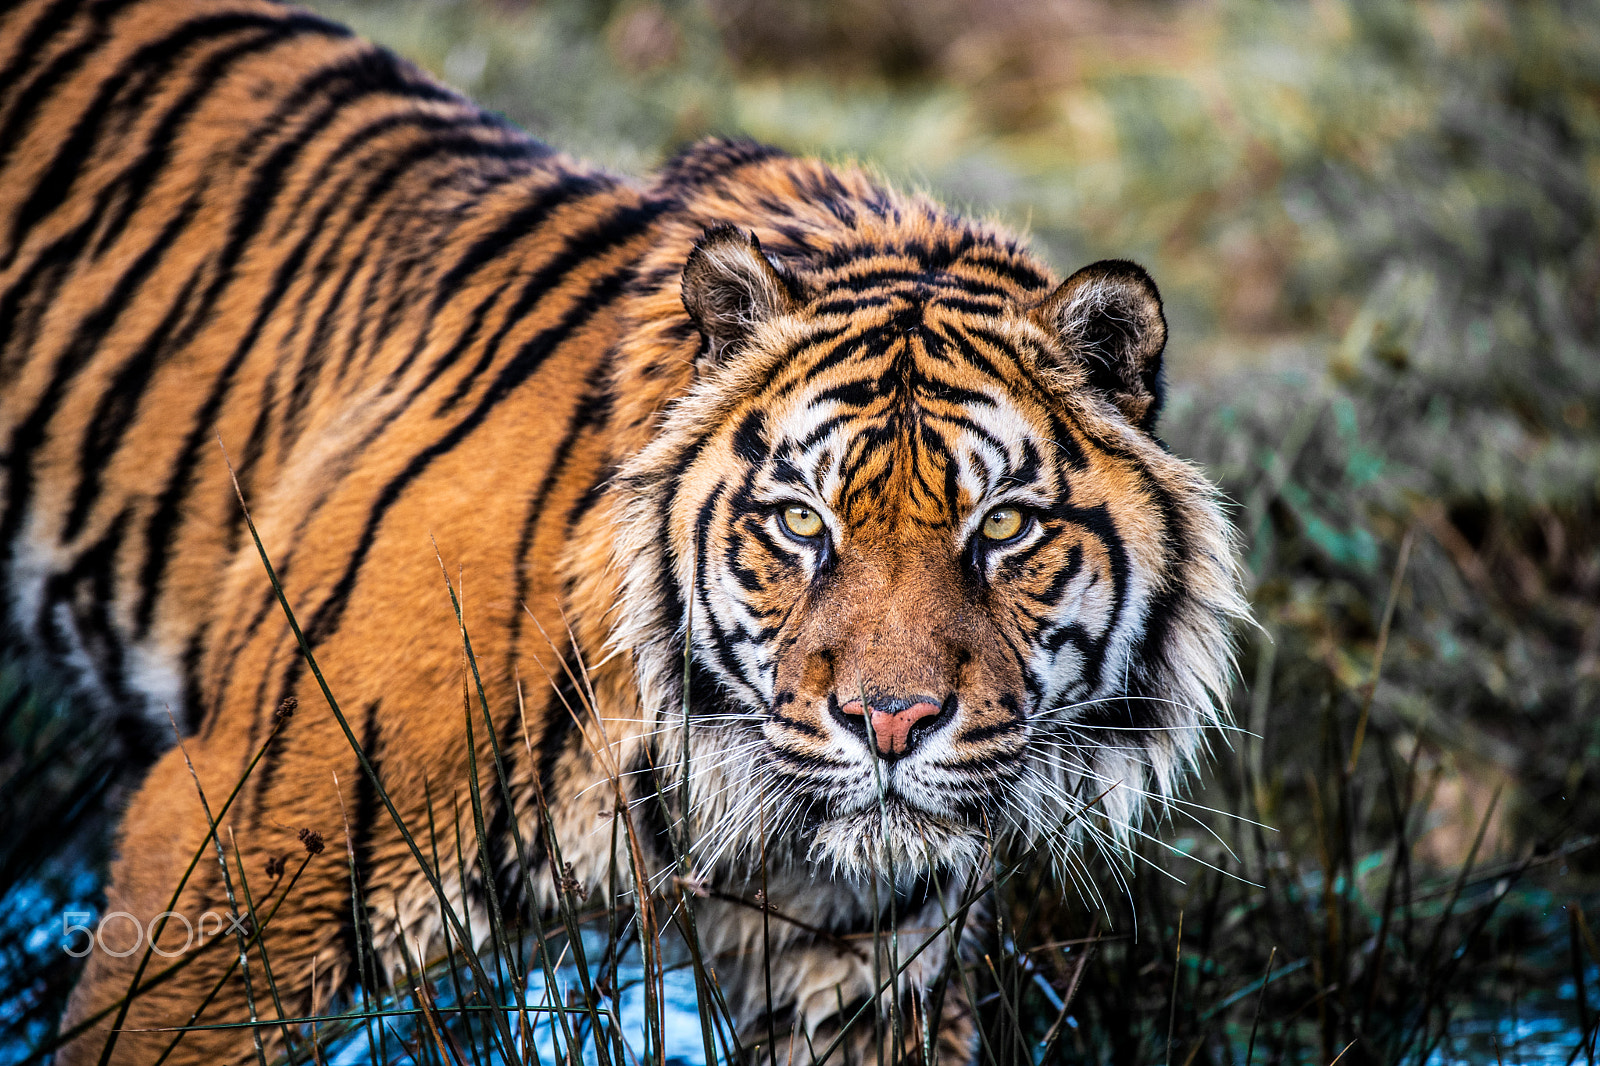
[(940, 583)]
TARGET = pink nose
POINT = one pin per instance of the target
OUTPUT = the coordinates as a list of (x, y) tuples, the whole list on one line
[(892, 729)]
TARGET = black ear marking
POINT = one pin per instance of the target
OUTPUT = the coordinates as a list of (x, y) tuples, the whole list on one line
[(1108, 318), (730, 287)]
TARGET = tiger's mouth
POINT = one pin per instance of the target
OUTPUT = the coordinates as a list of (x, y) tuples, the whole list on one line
[(918, 814)]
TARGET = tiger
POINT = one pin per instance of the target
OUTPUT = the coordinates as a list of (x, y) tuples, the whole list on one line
[(756, 481)]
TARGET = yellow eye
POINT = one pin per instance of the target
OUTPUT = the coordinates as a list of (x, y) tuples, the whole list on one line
[(802, 521), (1003, 523)]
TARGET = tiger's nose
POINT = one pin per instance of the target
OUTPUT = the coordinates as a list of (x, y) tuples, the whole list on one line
[(897, 724)]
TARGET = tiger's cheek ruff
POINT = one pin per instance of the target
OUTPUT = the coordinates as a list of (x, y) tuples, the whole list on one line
[(1165, 661)]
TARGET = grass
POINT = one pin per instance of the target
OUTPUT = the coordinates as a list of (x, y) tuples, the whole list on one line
[(1375, 225)]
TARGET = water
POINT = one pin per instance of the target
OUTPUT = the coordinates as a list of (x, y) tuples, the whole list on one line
[(31, 944), (1540, 1040), (681, 1032)]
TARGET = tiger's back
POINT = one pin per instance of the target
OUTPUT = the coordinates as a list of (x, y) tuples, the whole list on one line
[(237, 225)]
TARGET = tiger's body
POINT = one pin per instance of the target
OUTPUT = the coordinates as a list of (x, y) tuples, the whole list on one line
[(756, 403)]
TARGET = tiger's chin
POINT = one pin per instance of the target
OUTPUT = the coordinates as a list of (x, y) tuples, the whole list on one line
[(895, 842)]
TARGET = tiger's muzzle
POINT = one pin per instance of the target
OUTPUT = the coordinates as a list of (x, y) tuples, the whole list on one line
[(897, 659)]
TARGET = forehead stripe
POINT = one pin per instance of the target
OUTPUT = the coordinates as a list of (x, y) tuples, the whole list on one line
[(934, 279), (967, 305), (749, 438), (1013, 270)]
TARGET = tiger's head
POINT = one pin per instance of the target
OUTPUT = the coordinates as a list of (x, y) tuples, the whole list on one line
[(939, 581)]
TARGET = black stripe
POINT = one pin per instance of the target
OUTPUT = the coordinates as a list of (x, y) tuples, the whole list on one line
[(26, 304), (314, 356), (465, 339), (54, 19), (968, 305), (343, 157), (368, 72), (589, 499), (977, 734), (89, 607), (464, 148), (189, 667), (268, 604), (321, 335), (561, 708), (577, 249), (38, 90), (225, 667), (314, 352), (411, 255), (115, 410), (592, 410), (361, 825), (962, 424), (549, 200), (1013, 268), (703, 163), (1148, 651), (798, 725), (521, 222), (933, 278), (1097, 520), (245, 460), (332, 475), (722, 640), (839, 346), (510, 879), (1016, 375), (803, 765)]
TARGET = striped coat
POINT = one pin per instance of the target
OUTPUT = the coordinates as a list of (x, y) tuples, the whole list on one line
[(895, 488)]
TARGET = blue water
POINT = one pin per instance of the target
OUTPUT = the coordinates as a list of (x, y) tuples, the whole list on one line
[(35, 910), (1540, 1040), (681, 1032)]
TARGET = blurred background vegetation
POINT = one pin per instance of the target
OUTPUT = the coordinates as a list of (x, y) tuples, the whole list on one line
[(1375, 225)]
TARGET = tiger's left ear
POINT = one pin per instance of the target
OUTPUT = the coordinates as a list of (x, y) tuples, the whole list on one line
[(730, 287), (1108, 318)]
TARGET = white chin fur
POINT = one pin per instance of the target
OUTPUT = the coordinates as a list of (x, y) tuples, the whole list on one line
[(872, 843)]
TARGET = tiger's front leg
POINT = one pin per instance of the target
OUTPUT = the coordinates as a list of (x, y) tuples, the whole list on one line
[(800, 974), (870, 1041), (193, 975)]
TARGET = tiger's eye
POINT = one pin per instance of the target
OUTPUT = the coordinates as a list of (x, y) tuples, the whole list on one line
[(1003, 523), (802, 521)]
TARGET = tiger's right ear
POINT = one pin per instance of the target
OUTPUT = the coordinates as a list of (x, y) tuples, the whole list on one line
[(730, 287), (1108, 318)]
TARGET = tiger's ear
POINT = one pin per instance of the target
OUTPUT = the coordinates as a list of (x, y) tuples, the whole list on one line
[(1108, 318), (730, 287)]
